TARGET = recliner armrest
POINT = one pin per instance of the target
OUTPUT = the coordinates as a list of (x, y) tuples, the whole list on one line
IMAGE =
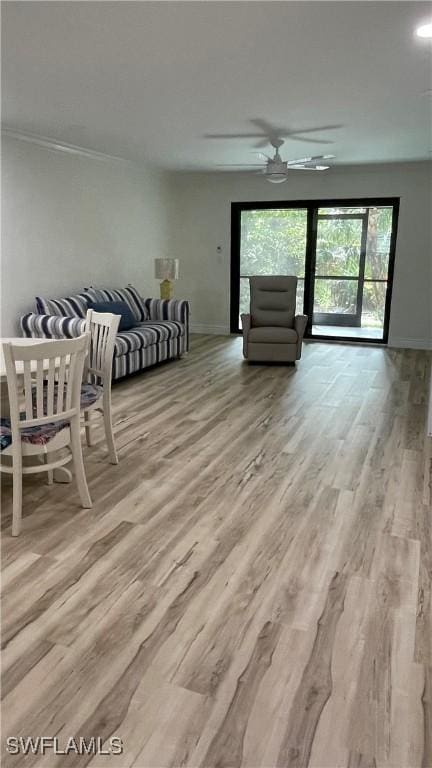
[(300, 322), (246, 324)]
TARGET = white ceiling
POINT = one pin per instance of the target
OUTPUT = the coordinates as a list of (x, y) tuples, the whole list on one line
[(149, 79)]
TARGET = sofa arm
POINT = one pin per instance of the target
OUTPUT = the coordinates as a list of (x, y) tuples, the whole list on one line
[(35, 326), (300, 322), (170, 309), (246, 324)]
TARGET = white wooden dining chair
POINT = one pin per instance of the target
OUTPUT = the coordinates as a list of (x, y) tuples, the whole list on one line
[(96, 390), (44, 387)]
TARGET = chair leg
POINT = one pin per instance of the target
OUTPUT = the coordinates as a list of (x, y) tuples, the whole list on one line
[(50, 472), (108, 427), (17, 494), (78, 463), (88, 432)]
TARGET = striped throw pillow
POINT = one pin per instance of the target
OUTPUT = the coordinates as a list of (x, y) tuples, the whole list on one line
[(129, 294), (72, 306)]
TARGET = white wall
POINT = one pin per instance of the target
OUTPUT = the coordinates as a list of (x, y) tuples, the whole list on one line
[(69, 221), (200, 221)]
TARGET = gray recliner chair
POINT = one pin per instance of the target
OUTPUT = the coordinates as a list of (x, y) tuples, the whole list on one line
[(272, 332)]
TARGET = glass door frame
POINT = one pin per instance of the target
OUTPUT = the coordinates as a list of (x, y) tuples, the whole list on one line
[(344, 319), (312, 207)]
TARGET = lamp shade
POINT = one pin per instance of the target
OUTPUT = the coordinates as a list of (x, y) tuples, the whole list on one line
[(166, 269)]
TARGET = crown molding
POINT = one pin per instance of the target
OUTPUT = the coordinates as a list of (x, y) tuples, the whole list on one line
[(60, 146)]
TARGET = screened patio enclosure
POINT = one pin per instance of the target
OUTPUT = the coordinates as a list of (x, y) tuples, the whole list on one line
[(342, 254)]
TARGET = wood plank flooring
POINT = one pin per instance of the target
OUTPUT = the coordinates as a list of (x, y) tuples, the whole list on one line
[(253, 586)]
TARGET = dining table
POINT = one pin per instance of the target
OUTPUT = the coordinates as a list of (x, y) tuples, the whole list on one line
[(61, 474)]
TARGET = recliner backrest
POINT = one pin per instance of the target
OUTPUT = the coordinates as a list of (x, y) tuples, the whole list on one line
[(273, 300)]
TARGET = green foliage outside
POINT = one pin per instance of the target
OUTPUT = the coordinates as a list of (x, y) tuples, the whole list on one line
[(274, 242)]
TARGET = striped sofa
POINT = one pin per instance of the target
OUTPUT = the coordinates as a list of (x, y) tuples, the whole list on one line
[(161, 331)]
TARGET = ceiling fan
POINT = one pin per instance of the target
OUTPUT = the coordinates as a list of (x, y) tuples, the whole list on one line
[(266, 133), (276, 170)]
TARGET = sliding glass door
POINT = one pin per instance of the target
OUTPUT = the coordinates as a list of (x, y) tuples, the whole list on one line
[(339, 269), (351, 272), (341, 251)]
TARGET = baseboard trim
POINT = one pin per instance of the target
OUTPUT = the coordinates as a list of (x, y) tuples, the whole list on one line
[(396, 341), (212, 330), (402, 343)]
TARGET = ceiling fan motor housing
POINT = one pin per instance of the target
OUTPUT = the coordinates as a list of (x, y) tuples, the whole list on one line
[(276, 171), (276, 178), (275, 166)]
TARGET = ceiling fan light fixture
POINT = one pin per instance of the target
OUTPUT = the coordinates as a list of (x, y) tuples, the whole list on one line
[(276, 178)]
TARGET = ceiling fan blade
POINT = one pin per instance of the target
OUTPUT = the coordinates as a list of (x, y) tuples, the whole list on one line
[(300, 161), (267, 129), (239, 165), (293, 137), (291, 132), (309, 167), (264, 142), (303, 160), (233, 136)]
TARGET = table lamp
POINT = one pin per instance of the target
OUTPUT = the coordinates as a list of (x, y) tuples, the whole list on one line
[(166, 270)]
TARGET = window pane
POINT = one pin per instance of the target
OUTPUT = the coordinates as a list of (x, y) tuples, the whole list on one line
[(333, 211), (378, 242), (273, 242), (300, 295), (244, 295), (335, 296), (374, 295), (338, 247)]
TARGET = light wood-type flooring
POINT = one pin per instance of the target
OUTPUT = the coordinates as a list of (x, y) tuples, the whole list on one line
[(253, 584)]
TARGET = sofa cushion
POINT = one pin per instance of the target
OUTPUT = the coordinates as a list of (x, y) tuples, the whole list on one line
[(127, 319), (129, 295), (71, 306), (145, 334), (272, 335), (89, 394)]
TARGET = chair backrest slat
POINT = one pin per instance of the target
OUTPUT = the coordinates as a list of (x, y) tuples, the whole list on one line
[(34, 368), (61, 381), (28, 390), (51, 406), (102, 327), (39, 389), (69, 383), (99, 349)]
